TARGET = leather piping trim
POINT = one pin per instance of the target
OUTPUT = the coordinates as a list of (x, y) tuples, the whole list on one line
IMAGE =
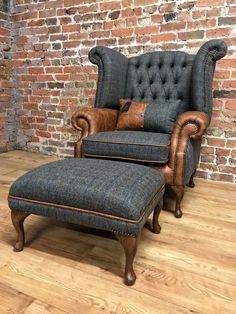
[(92, 212), (127, 158), (137, 144)]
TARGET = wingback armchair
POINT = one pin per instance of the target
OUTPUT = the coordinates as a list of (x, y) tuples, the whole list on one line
[(167, 80)]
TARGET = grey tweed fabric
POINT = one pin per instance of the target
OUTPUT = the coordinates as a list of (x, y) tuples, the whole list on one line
[(203, 72), (191, 158), (103, 194), (133, 145), (156, 119), (160, 77), (112, 67)]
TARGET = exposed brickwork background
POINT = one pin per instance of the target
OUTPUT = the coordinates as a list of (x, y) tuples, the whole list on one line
[(53, 76), (7, 113)]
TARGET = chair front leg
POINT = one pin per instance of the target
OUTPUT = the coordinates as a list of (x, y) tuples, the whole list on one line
[(18, 222), (179, 194), (191, 182)]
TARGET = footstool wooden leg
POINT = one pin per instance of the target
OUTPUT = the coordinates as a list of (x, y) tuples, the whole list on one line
[(155, 223), (18, 222), (130, 245)]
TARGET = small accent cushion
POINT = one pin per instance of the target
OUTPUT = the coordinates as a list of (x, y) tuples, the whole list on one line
[(104, 194), (149, 117), (131, 116)]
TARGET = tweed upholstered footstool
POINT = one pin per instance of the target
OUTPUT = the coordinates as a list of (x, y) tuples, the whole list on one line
[(104, 194)]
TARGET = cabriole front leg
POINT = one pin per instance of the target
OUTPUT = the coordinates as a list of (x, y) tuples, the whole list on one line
[(130, 245), (179, 193), (18, 222), (191, 182)]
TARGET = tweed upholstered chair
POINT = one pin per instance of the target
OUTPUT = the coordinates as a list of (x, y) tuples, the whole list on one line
[(177, 86)]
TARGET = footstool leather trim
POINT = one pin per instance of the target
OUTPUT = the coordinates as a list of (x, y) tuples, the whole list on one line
[(92, 212), (125, 158)]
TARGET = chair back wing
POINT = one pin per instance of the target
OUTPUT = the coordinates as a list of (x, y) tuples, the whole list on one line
[(160, 77), (203, 72), (112, 69)]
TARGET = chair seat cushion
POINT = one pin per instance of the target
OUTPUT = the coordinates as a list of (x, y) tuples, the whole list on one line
[(130, 145), (104, 194)]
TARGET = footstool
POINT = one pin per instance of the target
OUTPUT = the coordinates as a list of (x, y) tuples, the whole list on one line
[(104, 194)]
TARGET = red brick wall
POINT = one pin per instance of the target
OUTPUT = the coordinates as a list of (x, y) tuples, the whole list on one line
[(6, 109), (54, 77)]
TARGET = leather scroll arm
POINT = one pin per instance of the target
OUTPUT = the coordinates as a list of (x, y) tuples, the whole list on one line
[(93, 120), (190, 124)]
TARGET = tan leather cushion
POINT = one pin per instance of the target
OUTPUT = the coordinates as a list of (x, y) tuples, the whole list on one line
[(131, 115)]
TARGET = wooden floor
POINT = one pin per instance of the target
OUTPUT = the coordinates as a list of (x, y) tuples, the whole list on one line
[(189, 268)]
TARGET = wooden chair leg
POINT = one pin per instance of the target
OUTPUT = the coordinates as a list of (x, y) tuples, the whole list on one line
[(191, 182), (130, 245), (155, 223), (179, 193), (18, 222)]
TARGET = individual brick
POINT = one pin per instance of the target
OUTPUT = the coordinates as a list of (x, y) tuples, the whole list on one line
[(222, 177)]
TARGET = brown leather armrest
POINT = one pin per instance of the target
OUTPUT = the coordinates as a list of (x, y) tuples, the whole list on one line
[(193, 123), (93, 120), (190, 124)]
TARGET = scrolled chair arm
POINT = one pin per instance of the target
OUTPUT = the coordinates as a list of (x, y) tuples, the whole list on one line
[(190, 124), (93, 120)]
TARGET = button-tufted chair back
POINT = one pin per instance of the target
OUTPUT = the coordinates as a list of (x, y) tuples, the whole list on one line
[(160, 77)]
